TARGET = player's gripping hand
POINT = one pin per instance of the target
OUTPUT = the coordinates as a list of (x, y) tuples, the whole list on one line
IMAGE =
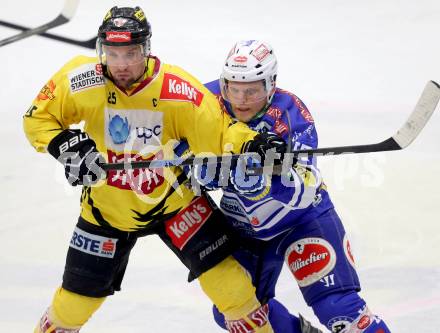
[(77, 152), (263, 142)]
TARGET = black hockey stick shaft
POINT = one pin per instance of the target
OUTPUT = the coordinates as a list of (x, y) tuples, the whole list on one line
[(89, 44), (386, 145), (401, 139), (66, 14)]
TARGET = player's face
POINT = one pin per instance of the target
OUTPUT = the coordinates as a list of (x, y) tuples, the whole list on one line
[(125, 63), (246, 98)]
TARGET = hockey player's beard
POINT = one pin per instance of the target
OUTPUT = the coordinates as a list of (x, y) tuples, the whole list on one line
[(125, 79)]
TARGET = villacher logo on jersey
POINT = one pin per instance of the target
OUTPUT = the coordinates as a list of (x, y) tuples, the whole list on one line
[(185, 225), (175, 88)]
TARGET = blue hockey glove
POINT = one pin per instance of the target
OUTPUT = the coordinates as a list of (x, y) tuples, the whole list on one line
[(243, 183), (77, 152)]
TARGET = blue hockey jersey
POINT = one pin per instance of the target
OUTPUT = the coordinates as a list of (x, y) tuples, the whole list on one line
[(290, 199)]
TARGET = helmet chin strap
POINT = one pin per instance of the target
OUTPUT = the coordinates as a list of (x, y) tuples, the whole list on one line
[(261, 113)]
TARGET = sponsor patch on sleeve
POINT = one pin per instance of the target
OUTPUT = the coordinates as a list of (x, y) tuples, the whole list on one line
[(93, 244), (47, 92), (174, 88)]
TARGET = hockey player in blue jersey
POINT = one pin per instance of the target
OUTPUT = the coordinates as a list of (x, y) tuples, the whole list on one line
[(288, 218)]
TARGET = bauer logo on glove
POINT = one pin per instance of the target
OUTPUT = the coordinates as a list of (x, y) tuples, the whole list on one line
[(77, 152), (74, 140)]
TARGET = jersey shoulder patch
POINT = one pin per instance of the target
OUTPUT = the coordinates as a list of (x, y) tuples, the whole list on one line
[(85, 76)]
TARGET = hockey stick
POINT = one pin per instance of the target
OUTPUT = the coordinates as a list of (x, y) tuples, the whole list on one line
[(89, 44), (65, 16), (404, 136), (422, 112)]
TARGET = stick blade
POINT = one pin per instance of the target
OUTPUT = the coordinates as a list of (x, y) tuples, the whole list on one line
[(69, 9), (419, 117)]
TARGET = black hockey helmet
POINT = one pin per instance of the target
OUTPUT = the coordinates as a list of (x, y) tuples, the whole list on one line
[(124, 26)]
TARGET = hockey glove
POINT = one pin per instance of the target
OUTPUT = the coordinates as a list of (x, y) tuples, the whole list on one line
[(263, 142), (77, 152), (243, 183)]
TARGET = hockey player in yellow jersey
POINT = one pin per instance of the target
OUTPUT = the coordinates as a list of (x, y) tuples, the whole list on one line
[(134, 108)]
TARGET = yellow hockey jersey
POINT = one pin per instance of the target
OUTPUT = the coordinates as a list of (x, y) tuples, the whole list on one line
[(143, 123)]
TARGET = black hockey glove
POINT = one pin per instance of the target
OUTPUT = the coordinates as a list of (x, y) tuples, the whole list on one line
[(263, 142), (77, 152)]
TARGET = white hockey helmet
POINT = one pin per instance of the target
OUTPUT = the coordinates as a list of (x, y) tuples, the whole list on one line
[(250, 61)]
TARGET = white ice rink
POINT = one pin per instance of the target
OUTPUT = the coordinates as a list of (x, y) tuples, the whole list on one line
[(360, 66)]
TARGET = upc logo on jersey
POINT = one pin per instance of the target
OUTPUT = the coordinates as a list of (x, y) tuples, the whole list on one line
[(146, 133), (310, 259), (182, 227), (93, 244), (134, 130), (175, 88)]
